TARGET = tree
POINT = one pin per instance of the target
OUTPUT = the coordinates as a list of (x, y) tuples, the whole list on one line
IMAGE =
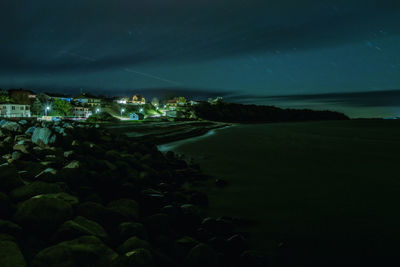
[(155, 102), (37, 107), (62, 108), (5, 98), (181, 100)]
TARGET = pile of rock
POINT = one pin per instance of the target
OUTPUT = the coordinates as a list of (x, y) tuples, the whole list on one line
[(75, 195)]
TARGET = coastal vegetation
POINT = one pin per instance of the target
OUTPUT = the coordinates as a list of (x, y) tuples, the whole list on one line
[(230, 112)]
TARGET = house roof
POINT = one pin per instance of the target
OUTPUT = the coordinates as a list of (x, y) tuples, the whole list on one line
[(139, 97), (13, 104)]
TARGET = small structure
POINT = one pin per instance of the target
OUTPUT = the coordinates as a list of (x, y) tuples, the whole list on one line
[(193, 102), (88, 99), (177, 101), (81, 112), (172, 103), (15, 110), (122, 100), (216, 100), (136, 116), (138, 100)]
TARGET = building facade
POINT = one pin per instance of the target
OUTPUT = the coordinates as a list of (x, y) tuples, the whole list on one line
[(138, 100), (15, 111), (87, 99), (81, 112)]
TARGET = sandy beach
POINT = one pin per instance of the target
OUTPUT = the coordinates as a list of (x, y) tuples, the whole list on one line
[(319, 193)]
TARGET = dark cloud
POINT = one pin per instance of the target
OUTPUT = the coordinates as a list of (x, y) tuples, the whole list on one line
[(95, 35)]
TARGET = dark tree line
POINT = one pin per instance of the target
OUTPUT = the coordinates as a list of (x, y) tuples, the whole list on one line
[(229, 112)]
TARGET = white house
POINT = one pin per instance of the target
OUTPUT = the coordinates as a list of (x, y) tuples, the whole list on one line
[(81, 112), (14, 110)]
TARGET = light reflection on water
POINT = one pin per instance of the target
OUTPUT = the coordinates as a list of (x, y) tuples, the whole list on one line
[(175, 144)]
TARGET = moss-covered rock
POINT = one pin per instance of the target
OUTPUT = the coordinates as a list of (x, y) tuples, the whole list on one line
[(8, 227), (138, 257), (10, 255), (33, 189), (201, 256), (92, 210), (127, 229), (83, 251), (5, 205), (43, 212), (9, 178), (128, 209), (133, 243), (80, 226)]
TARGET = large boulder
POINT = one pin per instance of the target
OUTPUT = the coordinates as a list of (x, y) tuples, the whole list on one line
[(127, 229), (16, 155), (34, 189), (133, 243), (43, 212), (83, 251), (10, 228), (29, 168), (80, 226), (93, 211), (30, 130), (9, 178), (127, 209), (5, 205), (43, 136), (11, 126), (140, 257), (10, 255), (47, 174), (73, 165), (201, 256)]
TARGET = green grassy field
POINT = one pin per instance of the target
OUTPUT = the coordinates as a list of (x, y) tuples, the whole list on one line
[(319, 193)]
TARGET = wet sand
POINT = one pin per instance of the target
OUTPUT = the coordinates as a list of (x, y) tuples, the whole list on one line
[(319, 193)]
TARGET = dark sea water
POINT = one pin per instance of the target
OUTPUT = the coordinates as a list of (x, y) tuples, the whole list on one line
[(319, 193)]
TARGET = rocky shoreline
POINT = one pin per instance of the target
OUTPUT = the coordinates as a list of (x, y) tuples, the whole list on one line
[(77, 195)]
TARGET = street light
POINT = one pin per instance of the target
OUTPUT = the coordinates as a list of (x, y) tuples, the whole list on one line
[(122, 111), (97, 110), (141, 110), (46, 109)]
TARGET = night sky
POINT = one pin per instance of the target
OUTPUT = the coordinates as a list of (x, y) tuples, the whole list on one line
[(340, 55)]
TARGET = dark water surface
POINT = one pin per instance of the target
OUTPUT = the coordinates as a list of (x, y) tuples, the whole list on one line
[(320, 193)]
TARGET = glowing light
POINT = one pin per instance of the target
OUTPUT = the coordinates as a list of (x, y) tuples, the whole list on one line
[(46, 109)]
